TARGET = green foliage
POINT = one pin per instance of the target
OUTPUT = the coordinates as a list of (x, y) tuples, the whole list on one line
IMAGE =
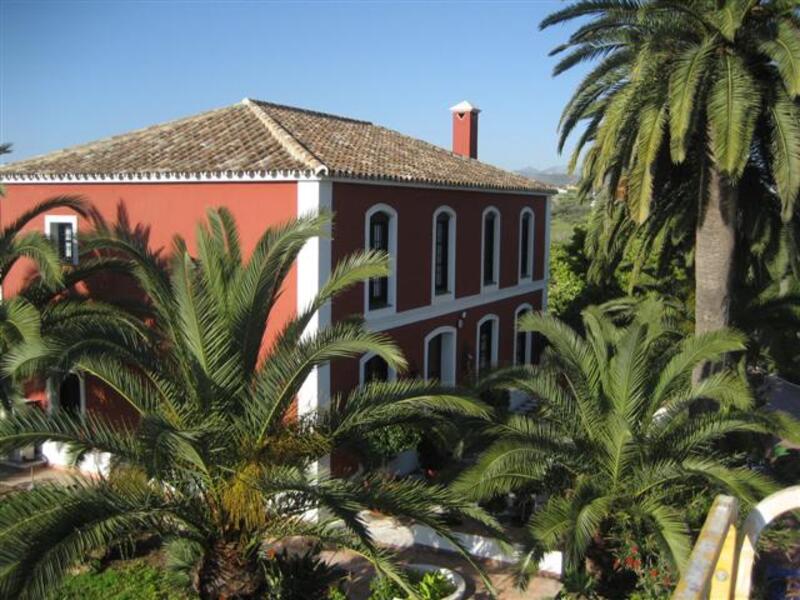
[(713, 82), (428, 586), (570, 289), (613, 439), (335, 593), (134, 580), (299, 576), (216, 455), (384, 444), (434, 586)]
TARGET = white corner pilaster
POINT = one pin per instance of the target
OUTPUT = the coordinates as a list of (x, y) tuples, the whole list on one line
[(313, 270)]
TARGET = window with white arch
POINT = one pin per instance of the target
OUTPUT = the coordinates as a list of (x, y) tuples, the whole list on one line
[(380, 233), (526, 244), (440, 355), (487, 344), (490, 248), (443, 268), (523, 340), (374, 368)]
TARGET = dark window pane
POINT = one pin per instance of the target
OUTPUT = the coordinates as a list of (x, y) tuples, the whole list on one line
[(485, 335), (442, 251), (435, 358), (525, 249), (488, 249), (379, 240), (69, 395), (63, 238), (376, 369), (523, 342)]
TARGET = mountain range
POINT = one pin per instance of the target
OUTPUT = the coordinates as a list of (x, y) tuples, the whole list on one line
[(557, 176)]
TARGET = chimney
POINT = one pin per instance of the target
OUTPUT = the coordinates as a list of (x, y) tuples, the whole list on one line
[(465, 129)]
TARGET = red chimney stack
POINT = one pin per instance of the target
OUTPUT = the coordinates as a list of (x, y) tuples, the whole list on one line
[(465, 129)]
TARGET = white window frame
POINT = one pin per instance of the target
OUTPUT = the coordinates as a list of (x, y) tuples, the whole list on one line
[(497, 229), (391, 280), (362, 363), (529, 336), (453, 332), (531, 245), (495, 341), (451, 257), (70, 219)]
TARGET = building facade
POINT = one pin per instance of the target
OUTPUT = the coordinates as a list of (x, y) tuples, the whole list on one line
[(468, 242)]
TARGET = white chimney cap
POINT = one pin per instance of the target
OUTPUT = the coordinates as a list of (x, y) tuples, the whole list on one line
[(464, 107)]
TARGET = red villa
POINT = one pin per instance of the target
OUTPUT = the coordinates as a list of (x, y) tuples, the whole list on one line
[(468, 242)]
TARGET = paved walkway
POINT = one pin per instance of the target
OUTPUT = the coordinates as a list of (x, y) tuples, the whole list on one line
[(20, 478)]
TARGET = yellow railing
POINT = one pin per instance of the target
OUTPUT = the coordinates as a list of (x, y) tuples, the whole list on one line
[(721, 564)]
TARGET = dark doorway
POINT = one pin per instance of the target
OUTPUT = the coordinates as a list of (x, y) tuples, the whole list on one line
[(69, 395)]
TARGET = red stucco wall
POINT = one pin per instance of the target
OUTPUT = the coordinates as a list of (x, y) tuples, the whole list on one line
[(164, 210), (415, 208)]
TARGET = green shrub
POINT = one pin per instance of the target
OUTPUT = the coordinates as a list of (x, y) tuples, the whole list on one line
[(430, 586), (133, 580), (299, 576)]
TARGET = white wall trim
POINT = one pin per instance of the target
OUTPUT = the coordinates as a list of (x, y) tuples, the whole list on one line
[(391, 281), (392, 374), (423, 313), (156, 177), (452, 358), (51, 219), (497, 232), (451, 256), (245, 176), (314, 269), (495, 343), (531, 249), (548, 201), (525, 306), (441, 186)]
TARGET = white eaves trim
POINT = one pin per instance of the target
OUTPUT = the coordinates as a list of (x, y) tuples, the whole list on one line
[(247, 176), (423, 313)]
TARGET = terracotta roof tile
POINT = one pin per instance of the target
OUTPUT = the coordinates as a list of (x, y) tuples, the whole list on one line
[(260, 137)]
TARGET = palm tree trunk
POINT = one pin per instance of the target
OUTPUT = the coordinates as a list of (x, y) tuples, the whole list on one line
[(715, 242), (228, 573)]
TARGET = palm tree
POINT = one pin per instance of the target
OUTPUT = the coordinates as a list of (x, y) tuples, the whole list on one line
[(611, 440), (717, 80), (217, 460), (20, 318)]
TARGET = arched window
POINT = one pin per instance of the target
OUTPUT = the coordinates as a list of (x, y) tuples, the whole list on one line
[(522, 339), (381, 234), (68, 394), (440, 355), (374, 368), (490, 248), (444, 254), (526, 244), (487, 344)]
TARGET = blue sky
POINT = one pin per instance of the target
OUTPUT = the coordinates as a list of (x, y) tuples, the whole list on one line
[(72, 72)]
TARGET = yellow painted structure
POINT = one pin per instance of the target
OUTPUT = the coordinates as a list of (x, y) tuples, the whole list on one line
[(721, 564)]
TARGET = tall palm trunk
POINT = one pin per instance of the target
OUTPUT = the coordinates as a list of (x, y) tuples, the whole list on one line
[(715, 242), (228, 573)]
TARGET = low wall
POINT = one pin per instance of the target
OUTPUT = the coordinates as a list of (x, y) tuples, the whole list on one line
[(390, 532)]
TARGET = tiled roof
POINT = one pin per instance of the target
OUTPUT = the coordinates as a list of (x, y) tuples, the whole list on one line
[(259, 139)]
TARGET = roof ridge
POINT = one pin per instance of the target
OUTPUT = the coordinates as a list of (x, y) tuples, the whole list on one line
[(309, 111), (291, 144)]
